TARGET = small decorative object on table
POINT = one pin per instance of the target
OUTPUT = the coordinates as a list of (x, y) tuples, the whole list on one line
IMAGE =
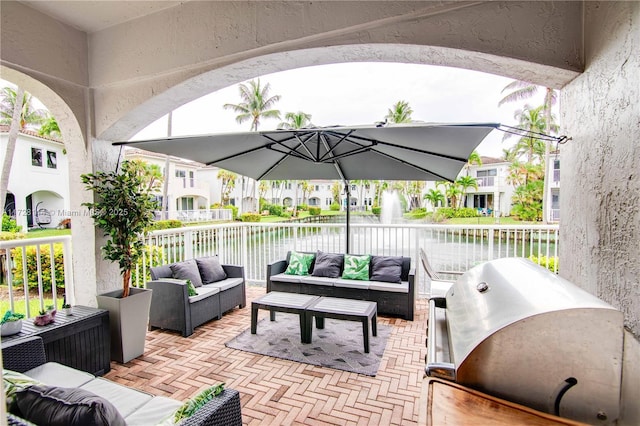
[(45, 318), (11, 323), (68, 310)]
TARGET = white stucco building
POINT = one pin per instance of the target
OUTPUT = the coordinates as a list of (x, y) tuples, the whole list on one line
[(38, 190)]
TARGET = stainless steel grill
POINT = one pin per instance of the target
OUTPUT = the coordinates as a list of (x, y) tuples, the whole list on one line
[(513, 329)]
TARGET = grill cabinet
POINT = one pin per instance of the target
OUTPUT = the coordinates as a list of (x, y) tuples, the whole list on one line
[(511, 328)]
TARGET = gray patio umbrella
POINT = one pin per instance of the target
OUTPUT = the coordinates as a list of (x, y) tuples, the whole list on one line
[(416, 151)]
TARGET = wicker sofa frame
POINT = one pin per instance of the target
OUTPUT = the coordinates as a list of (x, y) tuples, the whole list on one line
[(392, 303), (172, 309), (24, 354)]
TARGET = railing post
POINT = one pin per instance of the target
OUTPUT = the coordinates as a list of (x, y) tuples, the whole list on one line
[(490, 236), (69, 286), (188, 245), (244, 248)]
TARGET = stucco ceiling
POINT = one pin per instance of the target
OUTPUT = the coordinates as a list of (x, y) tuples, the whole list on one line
[(92, 16)]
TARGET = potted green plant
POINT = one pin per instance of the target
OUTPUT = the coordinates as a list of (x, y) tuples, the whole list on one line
[(124, 208), (68, 310), (44, 317), (11, 323)]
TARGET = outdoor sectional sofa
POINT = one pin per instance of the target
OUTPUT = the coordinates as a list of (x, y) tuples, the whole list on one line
[(219, 288), (64, 395), (393, 298)]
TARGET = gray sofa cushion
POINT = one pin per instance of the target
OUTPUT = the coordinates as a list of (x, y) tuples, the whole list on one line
[(225, 284), (125, 399), (328, 265), (403, 287), (210, 269), (386, 268), (187, 270), (203, 293), (153, 412), (55, 406), (54, 374)]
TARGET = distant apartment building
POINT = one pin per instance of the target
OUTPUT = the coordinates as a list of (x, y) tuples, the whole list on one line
[(188, 192), (38, 189), (494, 194)]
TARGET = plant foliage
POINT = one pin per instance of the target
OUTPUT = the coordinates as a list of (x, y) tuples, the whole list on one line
[(124, 209), (197, 402), (32, 266)]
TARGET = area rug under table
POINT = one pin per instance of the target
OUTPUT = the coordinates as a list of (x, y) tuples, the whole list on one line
[(339, 345)]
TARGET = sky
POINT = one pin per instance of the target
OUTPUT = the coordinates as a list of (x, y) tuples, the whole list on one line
[(360, 94)]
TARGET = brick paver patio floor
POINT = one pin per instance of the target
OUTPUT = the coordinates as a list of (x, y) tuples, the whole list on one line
[(281, 392)]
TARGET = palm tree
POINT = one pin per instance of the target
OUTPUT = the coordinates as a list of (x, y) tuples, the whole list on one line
[(50, 127), (11, 142), (256, 104), (296, 120), (400, 112), (435, 197), (466, 182), (29, 116), (474, 158), (228, 183), (521, 90)]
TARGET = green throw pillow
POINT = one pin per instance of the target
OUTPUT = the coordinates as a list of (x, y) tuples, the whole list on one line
[(195, 403), (191, 288), (356, 267), (299, 263), (14, 382)]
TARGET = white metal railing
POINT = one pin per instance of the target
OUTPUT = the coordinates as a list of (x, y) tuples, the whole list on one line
[(485, 180), (199, 215), (255, 245), (39, 261)]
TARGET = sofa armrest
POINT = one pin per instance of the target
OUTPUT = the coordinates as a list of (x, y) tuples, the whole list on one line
[(234, 271), (275, 268), (224, 409), (23, 354), (169, 300)]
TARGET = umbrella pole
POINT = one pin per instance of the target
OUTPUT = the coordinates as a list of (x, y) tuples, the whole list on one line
[(347, 190)]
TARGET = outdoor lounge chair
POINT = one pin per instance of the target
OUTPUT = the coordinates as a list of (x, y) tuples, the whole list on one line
[(438, 283)]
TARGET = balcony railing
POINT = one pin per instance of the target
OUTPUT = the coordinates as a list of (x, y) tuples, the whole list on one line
[(485, 180), (254, 245), (200, 215), (36, 264)]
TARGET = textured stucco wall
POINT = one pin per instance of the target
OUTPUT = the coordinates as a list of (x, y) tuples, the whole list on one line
[(600, 200), (600, 195)]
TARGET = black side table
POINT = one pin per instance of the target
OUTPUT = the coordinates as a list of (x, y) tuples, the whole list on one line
[(80, 341)]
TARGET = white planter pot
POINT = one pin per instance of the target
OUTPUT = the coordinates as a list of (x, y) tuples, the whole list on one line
[(11, 327), (128, 321)]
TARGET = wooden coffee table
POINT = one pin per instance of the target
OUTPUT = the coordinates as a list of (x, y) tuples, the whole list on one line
[(292, 303), (343, 309)]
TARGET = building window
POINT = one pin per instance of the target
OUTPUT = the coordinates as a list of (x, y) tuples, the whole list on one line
[(486, 177), (52, 160), (36, 157), (181, 174)]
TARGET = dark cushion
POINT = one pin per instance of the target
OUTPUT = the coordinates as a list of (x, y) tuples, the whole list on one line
[(386, 268), (50, 405), (210, 269), (187, 270), (327, 265)]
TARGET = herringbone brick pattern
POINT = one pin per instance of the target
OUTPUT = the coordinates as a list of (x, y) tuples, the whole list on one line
[(279, 392)]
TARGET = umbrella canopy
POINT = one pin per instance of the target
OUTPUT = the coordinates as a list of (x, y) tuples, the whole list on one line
[(416, 151)]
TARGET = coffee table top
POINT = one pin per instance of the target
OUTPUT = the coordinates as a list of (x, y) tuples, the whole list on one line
[(286, 300), (343, 306)]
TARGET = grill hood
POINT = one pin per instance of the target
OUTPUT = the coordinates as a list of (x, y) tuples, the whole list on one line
[(513, 329)]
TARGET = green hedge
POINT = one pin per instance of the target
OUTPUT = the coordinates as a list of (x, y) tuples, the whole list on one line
[(32, 266), (250, 217), (376, 210), (152, 256), (334, 207), (9, 225), (165, 224), (450, 212), (314, 211), (552, 263)]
